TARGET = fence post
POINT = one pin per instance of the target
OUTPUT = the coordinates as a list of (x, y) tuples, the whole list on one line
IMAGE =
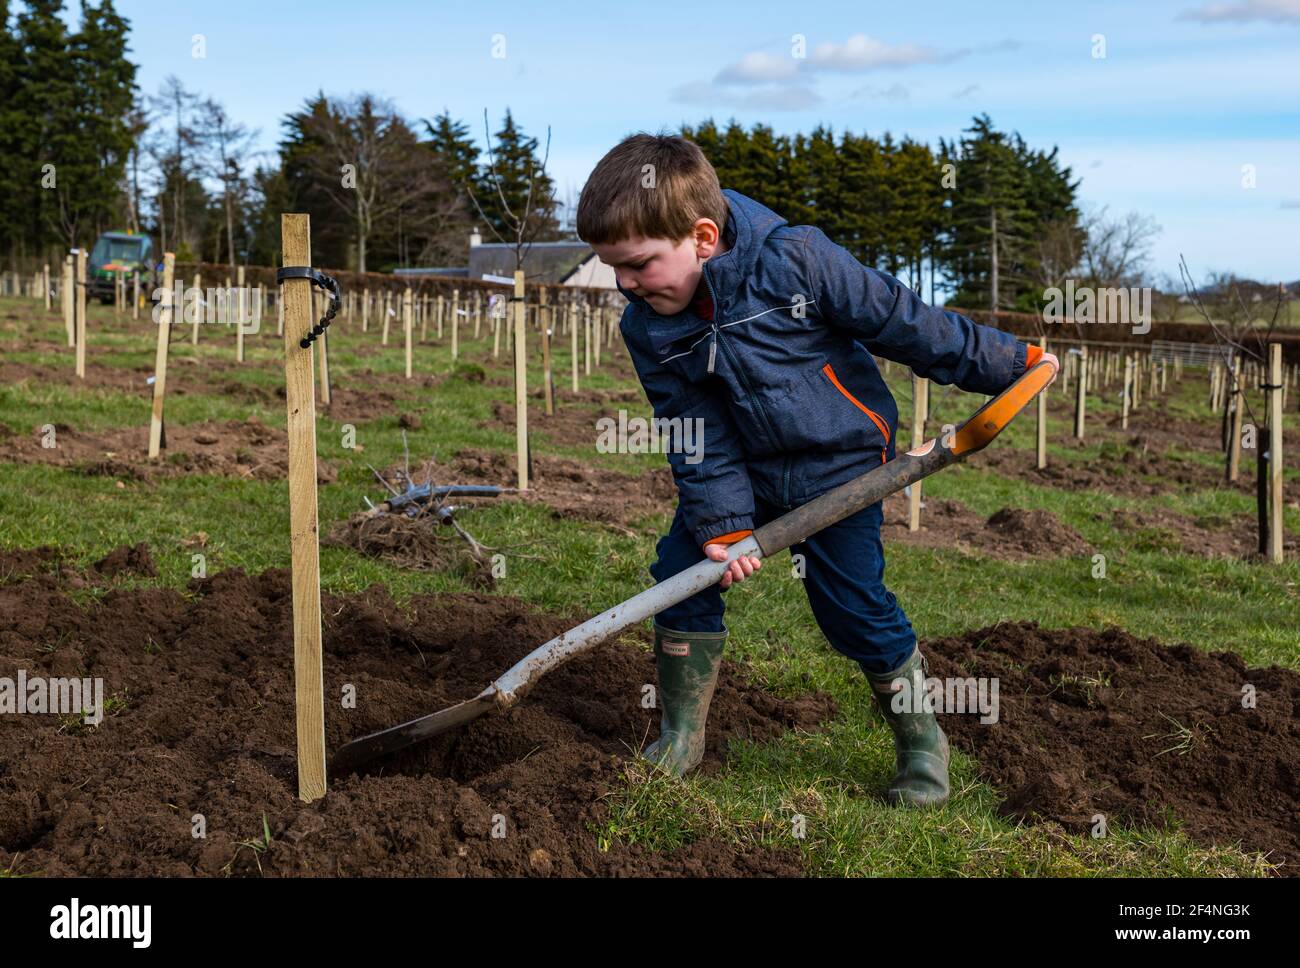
[(1081, 397), (81, 312), (1042, 416), (1275, 462), (521, 379), (309, 690), (920, 390), (407, 325), (166, 316)]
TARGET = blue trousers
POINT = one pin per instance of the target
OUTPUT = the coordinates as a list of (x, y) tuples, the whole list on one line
[(844, 577)]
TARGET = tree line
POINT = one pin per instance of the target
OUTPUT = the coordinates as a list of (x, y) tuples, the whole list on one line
[(83, 150)]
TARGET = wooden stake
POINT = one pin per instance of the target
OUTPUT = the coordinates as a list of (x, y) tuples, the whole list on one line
[(407, 325), (1234, 432), (67, 291), (309, 687), (135, 296), (239, 314), (455, 324), (200, 308), (323, 341), (573, 342), (45, 284), (81, 313), (543, 315), (1128, 386), (1042, 415), (166, 316), (388, 313), (1275, 463), (1081, 397), (521, 379), (920, 389), (586, 333)]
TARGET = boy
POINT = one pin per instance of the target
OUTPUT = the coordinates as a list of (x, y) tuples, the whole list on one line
[(764, 332)]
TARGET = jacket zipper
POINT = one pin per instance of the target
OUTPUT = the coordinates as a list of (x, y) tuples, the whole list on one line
[(718, 338), (875, 417)]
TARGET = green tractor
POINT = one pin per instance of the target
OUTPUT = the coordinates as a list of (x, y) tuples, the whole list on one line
[(116, 252)]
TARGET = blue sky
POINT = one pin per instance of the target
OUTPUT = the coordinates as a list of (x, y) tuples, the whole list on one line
[(1188, 92)]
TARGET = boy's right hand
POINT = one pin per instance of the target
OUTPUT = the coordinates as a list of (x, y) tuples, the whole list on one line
[(738, 570)]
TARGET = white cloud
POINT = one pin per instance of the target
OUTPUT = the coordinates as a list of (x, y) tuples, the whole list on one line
[(1276, 11), (758, 68), (862, 53)]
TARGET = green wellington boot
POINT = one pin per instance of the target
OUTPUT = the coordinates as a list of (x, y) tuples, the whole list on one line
[(687, 664), (921, 748)]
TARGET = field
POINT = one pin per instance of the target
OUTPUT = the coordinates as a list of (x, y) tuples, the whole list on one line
[(1121, 696)]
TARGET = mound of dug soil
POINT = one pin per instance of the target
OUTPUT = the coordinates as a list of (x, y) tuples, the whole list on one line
[(1154, 528), (1100, 722), (420, 543), (199, 733), (235, 448), (1011, 534), (570, 488)]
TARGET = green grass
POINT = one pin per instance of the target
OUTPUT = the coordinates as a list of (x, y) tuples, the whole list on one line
[(832, 778)]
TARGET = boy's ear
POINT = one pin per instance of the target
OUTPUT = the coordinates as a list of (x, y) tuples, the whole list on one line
[(706, 236)]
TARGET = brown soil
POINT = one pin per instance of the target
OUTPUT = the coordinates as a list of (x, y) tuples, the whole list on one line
[(420, 543), (207, 727), (235, 448), (1088, 722), (1157, 528), (573, 424), (569, 487), (356, 400), (1011, 534), (1132, 468)]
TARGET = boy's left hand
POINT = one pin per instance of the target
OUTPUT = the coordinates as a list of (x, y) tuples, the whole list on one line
[(1056, 367), (738, 570)]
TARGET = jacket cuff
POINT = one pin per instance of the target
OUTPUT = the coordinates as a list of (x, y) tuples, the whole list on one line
[(725, 531), (1019, 360)]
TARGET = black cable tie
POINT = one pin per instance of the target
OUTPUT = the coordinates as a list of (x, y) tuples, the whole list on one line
[(316, 278)]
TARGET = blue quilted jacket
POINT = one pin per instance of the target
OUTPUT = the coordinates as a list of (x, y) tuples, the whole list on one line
[(791, 401)]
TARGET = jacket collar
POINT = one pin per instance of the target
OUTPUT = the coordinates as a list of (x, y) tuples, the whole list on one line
[(748, 226)]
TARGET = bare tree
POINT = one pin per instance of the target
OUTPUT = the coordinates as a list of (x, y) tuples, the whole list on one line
[(223, 143), (174, 165), (369, 163), (521, 227), (1116, 250)]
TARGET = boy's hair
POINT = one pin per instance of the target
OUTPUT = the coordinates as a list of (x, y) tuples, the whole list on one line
[(618, 201)]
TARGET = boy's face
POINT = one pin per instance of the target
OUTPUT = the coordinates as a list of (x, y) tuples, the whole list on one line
[(663, 272)]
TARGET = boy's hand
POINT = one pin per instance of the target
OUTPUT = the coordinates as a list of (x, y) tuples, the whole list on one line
[(738, 570), (1035, 355), (1056, 367)]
